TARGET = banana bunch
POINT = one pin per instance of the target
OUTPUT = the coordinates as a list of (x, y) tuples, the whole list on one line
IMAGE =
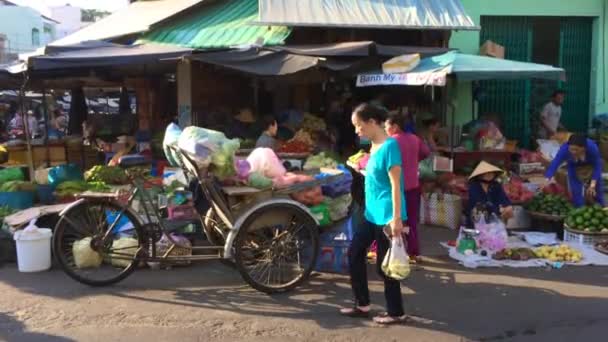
[(562, 252)]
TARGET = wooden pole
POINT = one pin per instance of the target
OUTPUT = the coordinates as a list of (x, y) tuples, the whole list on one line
[(46, 127), (30, 159)]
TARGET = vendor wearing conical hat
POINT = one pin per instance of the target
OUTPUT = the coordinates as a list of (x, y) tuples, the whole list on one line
[(486, 193)]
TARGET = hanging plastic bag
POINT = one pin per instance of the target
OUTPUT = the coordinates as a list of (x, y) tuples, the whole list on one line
[(492, 233), (396, 263), (84, 255), (172, 134)]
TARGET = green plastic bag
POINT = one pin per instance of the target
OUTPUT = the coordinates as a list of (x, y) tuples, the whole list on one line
[(11, 174), (425, 169)]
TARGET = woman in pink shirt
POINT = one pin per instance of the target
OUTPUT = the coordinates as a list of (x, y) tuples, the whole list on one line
[(413, 150)]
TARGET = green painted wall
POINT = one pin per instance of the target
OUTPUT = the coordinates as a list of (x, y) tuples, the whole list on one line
[(468, 41)]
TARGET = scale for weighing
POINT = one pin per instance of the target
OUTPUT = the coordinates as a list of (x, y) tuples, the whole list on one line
[(467, 242)]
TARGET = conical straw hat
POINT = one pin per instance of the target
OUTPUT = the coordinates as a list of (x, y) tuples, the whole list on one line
[(484, 167)]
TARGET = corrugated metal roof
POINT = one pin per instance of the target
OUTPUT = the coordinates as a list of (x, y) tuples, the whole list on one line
[(225, 24), (398, 14), (136, 18)]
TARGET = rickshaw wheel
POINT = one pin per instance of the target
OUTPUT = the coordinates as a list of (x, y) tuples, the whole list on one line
[(99, 264), (276, 248)]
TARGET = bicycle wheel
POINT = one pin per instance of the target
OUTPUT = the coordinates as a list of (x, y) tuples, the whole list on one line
[(83, 253), (276, 248)]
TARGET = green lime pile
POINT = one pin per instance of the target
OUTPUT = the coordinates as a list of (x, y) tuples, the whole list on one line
[(550, 204), (592, 219)]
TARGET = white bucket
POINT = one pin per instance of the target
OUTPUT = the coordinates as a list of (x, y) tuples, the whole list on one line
[(33, 250)]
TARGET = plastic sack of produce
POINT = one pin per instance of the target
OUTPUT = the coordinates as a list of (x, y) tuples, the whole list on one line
[(339, 207), (443, 210), (210, 147), (259, 181), (11, 174), (265, 161), (127, 247), (63, 173), (425, 169), (396, 263), (172, 134), (492, 234), (183, 247), (318, 161), (84, 255)]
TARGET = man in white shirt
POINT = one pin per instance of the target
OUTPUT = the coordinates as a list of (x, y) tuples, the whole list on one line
[(550, 116)]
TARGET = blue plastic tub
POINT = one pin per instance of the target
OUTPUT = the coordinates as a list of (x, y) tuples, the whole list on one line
[(18, 199)]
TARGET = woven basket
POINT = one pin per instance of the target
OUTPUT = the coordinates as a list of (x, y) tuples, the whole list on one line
[(546, 217)]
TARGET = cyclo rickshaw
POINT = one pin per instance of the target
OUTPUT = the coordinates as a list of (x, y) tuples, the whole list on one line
[(272, 240)]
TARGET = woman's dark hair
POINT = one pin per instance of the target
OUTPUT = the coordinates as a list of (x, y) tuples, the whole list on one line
[(267, 121), (578, 140), (397, 119), (557, 92), (367, 112)]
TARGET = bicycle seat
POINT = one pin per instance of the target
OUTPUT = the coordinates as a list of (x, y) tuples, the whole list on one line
[(133, 160)]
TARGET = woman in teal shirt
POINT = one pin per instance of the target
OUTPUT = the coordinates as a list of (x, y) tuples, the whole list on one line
[(384, 207)]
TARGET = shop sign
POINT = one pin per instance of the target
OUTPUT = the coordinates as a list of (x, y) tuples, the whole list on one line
[(432, 78)]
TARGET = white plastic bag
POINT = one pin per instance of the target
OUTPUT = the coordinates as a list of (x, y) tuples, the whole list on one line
[(125, 248), (396, 263), (172, 134), (84, 255)]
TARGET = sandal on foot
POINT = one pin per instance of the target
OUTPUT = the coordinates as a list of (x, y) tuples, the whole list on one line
[(354, 312), (389, 320)]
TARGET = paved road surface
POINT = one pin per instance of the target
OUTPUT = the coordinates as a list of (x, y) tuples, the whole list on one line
[(209, 302)]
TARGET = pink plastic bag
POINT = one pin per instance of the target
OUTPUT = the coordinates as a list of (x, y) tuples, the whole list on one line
[(265, 161)]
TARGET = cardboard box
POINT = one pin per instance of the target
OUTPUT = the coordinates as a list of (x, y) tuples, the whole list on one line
[(489, 48)]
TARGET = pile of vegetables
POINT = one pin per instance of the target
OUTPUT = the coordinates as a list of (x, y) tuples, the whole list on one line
[(321, 160), (107, 174), (301, 142), (518, 254), (550, 204), (6, 211), (562, 252), (591, 219), (313, 123), (17, 186), (516, 191), (72, 188)]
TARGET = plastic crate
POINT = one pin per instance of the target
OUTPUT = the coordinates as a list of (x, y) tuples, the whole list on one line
[(182, 212), (584, 239), (333, 259), (339, 187), (17, 199)]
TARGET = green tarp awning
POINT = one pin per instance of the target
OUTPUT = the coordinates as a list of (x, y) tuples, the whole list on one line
[(221, 25)]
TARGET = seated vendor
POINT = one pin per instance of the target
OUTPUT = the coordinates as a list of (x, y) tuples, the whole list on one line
[(268, 137), (486, 192)]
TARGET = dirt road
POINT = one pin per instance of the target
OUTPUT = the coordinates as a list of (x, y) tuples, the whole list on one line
[(210, 302)]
